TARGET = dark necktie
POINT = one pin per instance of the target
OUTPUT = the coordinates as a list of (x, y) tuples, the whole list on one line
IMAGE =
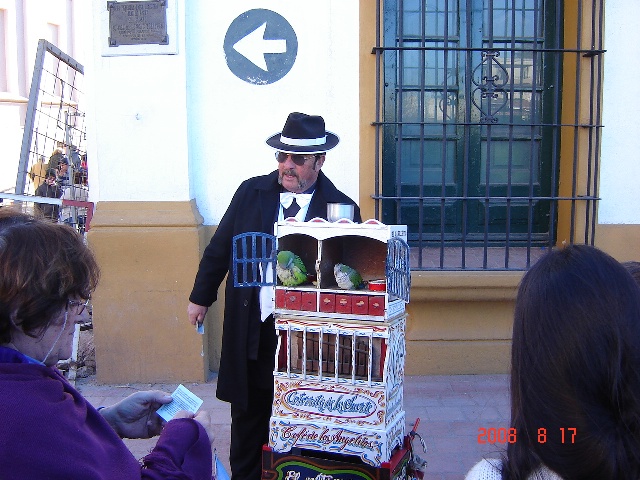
[(293, 209)]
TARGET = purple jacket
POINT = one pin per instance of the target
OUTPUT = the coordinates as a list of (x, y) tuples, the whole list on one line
[(49, 431)]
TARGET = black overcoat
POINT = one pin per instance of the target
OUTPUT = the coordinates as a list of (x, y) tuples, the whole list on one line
[(252, 209)]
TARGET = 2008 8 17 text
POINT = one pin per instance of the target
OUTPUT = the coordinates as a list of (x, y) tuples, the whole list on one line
[(510, 435)]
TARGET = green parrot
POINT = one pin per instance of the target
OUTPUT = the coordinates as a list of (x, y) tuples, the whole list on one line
[(347, 277), (290, 269)]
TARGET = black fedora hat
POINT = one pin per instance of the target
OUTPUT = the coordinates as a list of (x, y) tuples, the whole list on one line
[(303, 134)]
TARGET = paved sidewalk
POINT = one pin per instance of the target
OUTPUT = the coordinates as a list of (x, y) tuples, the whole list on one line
[(451, 408)]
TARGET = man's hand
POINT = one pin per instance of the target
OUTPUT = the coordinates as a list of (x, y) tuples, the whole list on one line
[(196, 313), (135, 416)]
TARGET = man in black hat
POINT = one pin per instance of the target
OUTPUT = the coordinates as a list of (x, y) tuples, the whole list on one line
[(297, 189)]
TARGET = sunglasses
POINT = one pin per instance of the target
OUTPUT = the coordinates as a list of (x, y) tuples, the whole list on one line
[(296, 158)]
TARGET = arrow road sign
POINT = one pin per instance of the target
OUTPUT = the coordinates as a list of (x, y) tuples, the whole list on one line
[(254, 46), (260, 47)]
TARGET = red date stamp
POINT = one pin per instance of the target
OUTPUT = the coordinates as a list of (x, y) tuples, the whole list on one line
[(510, 435)]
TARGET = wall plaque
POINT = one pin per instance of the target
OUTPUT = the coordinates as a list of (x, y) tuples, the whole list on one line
[(138, 23)]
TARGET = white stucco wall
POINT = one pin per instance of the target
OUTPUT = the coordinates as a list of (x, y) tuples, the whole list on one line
[(139, 120), (229, 119), (177, 127), (620, 167), (61, 22)]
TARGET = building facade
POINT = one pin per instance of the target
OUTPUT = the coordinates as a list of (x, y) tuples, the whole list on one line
[(23, 23), (493, 130)]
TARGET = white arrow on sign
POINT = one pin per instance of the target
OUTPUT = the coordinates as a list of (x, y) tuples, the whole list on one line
[(253, 47)]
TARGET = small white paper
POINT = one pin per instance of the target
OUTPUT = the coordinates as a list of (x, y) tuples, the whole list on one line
[(200, 328), (183, 399)]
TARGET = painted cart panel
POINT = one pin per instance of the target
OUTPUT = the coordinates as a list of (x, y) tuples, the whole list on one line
[(360, 406), (373, 446), (289, 466)]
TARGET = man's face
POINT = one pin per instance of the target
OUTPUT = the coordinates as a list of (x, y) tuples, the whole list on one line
[(62, 168), (298, 172), (50, 179)]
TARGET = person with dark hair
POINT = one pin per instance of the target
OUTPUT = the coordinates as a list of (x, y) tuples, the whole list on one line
[(50, 189), (634, 269), (62, 170), (58, 160), (48, 430), (575, 372), (296, 189)]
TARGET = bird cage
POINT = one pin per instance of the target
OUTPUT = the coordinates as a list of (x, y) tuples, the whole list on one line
[(371, 248)]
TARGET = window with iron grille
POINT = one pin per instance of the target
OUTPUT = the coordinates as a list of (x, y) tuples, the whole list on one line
[(488, 123)]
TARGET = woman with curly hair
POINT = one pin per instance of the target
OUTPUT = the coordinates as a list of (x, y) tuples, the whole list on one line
[(47, 429)]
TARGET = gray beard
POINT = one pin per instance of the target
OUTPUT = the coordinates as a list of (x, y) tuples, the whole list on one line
[(302, 185)]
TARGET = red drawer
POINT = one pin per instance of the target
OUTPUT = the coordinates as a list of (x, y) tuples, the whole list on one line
[(293, 299), (308, 301), (281, 296), (376, 305), (360, 304), (328, 302), (343, 303)]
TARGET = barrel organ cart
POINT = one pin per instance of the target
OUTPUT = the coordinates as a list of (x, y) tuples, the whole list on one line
[(339, 367)]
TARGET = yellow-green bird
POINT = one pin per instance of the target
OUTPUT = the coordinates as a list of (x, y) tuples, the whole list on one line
[(290, 269)]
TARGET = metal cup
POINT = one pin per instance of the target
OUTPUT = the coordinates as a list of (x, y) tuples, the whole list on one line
[(336, 211)]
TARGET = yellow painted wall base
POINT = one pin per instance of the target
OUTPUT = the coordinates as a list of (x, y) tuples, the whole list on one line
[(460, 322), (620, 241), (148, 253), (458, 357)]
